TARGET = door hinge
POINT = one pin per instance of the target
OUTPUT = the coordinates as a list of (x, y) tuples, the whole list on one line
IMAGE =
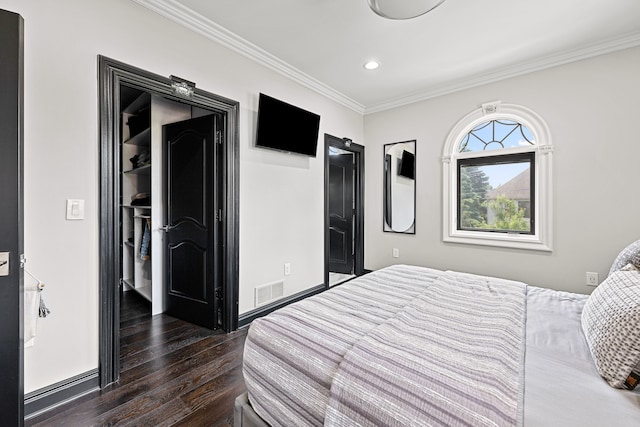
[(218, 137), (219, 215)]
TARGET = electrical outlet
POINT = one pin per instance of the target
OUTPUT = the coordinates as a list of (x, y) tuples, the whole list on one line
[(287, 269), (396, 253), (592, 279)]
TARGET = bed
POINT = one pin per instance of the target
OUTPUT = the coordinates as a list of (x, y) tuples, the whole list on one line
[(408, 345)]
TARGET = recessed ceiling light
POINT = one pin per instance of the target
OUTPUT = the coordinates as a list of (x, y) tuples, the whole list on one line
[(371, 65)]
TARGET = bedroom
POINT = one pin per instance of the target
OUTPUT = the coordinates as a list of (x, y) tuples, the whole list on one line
[(591, 106)]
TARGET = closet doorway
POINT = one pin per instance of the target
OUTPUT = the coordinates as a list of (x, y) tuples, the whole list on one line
[(168, 202), (344, 210)]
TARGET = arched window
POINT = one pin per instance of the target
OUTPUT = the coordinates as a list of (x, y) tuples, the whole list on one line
[(497, 179)]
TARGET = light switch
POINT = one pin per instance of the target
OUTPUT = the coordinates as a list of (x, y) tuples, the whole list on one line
[(75, 209)]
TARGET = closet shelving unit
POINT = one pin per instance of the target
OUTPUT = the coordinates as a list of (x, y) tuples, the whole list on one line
[(136, 269), (140, 275)]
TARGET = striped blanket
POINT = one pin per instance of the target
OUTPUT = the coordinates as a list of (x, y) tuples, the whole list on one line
[(400, 346)]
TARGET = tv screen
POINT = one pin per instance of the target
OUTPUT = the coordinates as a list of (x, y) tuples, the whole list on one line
[(285, 127), (407, 165)]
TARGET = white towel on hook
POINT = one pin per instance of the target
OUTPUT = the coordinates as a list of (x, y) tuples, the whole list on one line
[(31, 307)]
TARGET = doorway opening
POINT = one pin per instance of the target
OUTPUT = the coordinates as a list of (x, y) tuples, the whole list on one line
[(169, 172), (344, 210)]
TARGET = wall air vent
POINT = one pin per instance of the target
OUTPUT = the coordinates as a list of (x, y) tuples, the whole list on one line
[(268, 292)]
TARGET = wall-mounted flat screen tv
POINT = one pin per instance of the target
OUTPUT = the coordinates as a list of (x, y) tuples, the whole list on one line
[(285, 127), (407, 165)]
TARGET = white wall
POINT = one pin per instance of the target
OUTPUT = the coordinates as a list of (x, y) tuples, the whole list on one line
[(592, 109), (281, 200)]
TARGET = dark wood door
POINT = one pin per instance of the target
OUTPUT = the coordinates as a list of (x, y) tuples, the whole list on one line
[(11, 219), (192, 268), (341, 194)]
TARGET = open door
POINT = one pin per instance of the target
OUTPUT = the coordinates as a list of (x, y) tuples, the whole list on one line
[(11, 220), (192, 250), (341, 209)]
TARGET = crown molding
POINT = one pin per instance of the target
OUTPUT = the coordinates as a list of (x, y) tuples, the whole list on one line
[(186, 17), (608, 46), (176, 12)]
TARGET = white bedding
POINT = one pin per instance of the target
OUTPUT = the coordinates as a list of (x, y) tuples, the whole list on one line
[(562, 385)]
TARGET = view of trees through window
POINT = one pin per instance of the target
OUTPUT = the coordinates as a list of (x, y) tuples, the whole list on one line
[(495, 196)]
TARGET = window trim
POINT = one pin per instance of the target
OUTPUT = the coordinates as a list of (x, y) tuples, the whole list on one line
[(541, 239)]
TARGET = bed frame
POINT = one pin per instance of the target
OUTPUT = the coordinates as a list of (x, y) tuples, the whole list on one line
[(244, 415)]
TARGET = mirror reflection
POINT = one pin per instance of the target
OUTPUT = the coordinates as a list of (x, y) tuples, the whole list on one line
[(400, 187)]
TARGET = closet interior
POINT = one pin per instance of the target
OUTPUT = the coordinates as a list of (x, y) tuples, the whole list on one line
[(142, 196)]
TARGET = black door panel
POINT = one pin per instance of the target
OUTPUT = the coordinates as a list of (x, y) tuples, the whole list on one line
[(341, 193), (11, 219), (192, 235)]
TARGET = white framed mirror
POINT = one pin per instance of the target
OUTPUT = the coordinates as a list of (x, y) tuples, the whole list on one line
[(400, 187)]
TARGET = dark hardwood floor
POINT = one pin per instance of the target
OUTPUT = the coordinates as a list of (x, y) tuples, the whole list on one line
[(172, 373)]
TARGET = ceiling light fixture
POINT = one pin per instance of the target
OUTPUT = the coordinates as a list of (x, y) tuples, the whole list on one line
[(371, 65), (403, 9)]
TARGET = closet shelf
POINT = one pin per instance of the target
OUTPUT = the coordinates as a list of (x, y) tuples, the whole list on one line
[(129, 282), (142, 216), (146, 207), (142, 170), (142, 139), (145, 291), (140, 103)]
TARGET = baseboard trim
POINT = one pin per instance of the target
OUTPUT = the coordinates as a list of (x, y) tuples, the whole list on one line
[(245, 319), (47, 398)]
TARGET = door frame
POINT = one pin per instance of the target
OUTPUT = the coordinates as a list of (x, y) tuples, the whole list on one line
[(111, 75), (358, 151)]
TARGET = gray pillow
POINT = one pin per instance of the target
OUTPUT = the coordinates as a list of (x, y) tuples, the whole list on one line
[(611, 325), (630, 254)]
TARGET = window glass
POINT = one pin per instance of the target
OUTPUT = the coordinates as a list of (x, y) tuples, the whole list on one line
[(495, 135), (496, 194)]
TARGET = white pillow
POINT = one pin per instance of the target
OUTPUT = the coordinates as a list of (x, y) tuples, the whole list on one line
[(629, 267), (611, 325), (630, 254)]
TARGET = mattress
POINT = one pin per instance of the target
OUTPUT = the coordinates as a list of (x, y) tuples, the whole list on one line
[(292, 357)]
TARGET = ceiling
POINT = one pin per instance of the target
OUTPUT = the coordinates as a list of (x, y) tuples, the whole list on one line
[(323, 44)]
